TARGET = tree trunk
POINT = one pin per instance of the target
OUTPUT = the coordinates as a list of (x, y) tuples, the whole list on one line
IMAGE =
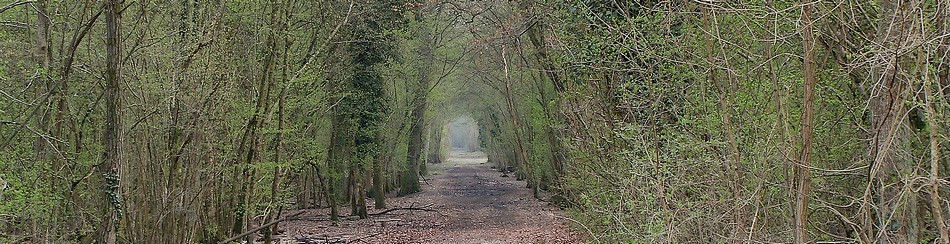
[(111, 208), (361, 195), (536, 36), (335, 160), (733, 158), (43, 84), (933, 128), (780, 94), (887, 98), (521, 157), (251, 140), (275, 182), (935, 200), (943, 67), (410, 176), (417, 118), (45, 87), (328, 193), (433, 146), (808, 113), (379, 189)]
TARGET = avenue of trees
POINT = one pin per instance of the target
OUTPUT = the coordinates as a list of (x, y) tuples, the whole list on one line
[(654, 121)]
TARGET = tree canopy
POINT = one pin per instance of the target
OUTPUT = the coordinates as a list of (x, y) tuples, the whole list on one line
[(647, 121)]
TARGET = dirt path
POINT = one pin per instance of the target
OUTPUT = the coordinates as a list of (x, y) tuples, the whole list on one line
[(471, 203)]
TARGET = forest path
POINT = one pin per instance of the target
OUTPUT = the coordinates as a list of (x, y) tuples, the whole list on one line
[(470, 203)]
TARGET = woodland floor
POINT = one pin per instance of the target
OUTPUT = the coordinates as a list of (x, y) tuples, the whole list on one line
[(469, 203)]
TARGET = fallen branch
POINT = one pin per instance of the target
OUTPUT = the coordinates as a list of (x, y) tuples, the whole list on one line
[(387, 220), (252, 231), (382, 222), (589, 232), (410, 208), (424, 179), (361, 239)]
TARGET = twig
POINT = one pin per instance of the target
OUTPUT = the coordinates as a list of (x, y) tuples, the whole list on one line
[(13, 24), (9, 6)]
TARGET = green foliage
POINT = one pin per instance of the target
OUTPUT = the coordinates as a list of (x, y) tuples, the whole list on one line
[(621, 114)]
